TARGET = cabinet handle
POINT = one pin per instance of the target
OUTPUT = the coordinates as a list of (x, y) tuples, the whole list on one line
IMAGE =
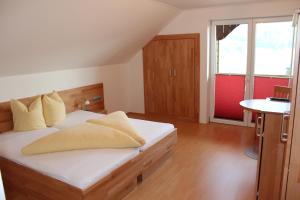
[(174, 72), (284, 135), (259, 126), (170, 72)]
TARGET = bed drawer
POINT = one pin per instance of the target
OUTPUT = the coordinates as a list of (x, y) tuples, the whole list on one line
[(118, 184), (156, 154)]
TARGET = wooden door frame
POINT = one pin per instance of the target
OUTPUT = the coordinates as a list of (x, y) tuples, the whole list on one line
[(196, 38), (288, 185)]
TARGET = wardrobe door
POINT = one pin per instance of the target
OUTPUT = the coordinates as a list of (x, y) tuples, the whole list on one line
[(183, 63), (171, 76), (157, 78)]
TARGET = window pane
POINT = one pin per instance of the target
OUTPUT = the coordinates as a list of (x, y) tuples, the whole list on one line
[(273, 48), (232, 51)]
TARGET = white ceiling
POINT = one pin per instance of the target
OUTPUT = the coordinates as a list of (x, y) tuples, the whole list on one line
[(190, 4), (48, 35)]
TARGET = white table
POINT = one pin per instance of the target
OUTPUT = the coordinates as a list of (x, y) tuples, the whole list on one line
[(263, 106)]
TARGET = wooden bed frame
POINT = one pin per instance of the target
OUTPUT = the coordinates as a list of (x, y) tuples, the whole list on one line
[(21, 182), (73, 98)]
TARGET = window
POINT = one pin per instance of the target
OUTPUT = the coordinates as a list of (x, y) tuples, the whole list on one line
[(273, 48), (232, 51)]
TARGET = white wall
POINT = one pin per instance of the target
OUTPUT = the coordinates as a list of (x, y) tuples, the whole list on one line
[(54, 44), (112, 77), (135, 84), (40, 36), (198, 21)]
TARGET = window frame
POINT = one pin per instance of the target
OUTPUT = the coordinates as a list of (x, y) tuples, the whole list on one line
[(249, 76), (269, 20), (217, 53)]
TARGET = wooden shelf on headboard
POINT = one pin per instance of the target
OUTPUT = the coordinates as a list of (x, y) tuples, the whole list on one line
[(73, 98)]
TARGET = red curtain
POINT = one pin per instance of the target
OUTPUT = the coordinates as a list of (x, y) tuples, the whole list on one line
[(229, 91), (264, 87)]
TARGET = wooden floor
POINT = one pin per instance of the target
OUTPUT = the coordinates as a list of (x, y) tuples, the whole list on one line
[(208, 164)]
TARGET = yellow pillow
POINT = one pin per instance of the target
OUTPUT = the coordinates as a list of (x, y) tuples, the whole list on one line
[(54, 109), (119, 120), (83, 136), (26, 119)]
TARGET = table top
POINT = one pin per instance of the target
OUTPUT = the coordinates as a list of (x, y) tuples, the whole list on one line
[(266, 106)]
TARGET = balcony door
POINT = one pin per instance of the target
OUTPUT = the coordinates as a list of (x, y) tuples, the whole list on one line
[(248, 58)]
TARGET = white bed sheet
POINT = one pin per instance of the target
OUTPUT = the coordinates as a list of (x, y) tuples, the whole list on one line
[(77, 117), (151, 131), (80, 168)]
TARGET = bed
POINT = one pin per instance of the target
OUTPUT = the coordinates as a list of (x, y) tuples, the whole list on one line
[(159, 137), (83, 174), (64, 166)]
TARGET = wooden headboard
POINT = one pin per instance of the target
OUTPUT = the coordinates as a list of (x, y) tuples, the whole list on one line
[(73, 98)]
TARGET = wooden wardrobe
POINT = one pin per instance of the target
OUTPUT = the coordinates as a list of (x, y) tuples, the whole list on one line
[(171, 76)]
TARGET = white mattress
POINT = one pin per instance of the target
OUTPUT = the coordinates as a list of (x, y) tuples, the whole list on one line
[(152, 132), (80, 168), (77, 117)]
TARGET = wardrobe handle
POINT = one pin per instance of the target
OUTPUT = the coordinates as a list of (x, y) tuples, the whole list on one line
[(170, 72), (174, 72)]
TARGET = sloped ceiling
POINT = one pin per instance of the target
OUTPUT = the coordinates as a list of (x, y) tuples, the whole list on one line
[(190, 4), (47, 35)]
